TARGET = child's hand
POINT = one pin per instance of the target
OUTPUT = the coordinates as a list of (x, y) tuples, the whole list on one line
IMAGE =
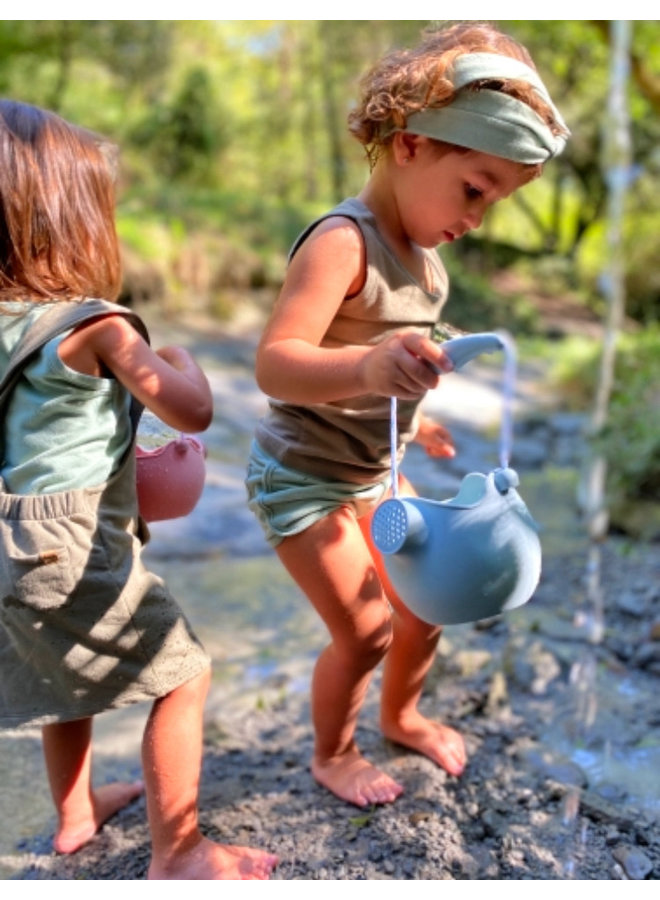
[(405, 365), (435, 438)]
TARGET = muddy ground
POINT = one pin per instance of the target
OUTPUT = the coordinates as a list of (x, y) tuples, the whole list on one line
[(522, 810), (557, 702)]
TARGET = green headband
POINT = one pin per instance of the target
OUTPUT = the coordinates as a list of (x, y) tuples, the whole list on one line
[(491, 121)]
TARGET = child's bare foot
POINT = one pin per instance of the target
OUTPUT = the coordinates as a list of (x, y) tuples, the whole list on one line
[(442, 744), (355, 780), (78, 827), (207, 861)]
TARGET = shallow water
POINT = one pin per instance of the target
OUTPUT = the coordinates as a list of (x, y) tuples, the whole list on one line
[(260, 630)]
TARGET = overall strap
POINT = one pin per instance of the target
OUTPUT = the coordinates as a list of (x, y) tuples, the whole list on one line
[(60, 317)]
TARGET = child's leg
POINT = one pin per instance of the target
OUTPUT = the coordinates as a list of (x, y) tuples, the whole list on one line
[(407, 664), (172, 758), (332, 564), (80, 810)]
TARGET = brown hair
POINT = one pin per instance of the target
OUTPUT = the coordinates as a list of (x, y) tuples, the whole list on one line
[(405, 81), (57, 206)]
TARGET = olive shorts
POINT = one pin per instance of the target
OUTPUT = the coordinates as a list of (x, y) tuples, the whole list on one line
[(286, 501)]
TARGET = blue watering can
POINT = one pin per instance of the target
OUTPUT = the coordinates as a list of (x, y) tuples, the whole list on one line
[(475, 555)]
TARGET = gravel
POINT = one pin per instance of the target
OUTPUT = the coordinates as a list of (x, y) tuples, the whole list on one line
[(557, 702), (524, 809)]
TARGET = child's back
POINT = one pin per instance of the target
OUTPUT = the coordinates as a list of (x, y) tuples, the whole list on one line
[(84, 627)]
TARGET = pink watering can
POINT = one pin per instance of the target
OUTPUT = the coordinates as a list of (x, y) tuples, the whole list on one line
[(170, 479), (472, 556)]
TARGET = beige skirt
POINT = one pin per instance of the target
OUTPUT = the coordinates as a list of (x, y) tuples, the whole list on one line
[(84, 626)]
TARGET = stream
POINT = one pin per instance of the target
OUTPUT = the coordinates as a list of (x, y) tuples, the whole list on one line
[(261, 632)]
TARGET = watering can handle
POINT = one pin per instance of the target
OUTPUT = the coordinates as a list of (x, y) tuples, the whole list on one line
[(461, 350)]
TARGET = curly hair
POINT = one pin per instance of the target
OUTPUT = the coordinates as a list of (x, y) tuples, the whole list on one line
[(406, 81), (57, 205)]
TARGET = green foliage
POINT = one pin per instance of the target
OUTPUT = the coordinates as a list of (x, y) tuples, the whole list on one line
[(186, 136), (262, 223), (258, 109), (474, 305), (630, 440), (575, 370), (233, 136), (92, 72)]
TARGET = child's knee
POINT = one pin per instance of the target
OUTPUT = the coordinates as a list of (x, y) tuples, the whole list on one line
[(381, 638), (370, 646)]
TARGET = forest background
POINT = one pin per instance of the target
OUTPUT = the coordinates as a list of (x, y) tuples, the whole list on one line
[(232, 136)]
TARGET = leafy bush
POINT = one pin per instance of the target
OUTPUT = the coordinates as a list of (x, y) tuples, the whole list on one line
[(630, 440), (474, 305)]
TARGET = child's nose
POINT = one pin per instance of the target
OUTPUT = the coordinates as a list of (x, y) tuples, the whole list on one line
[(474, 219)]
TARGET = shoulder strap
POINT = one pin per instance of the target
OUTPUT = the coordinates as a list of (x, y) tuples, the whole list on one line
[(61, 317), (350, 208)]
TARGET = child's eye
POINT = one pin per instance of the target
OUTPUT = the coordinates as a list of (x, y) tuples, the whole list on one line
[(472, 192)]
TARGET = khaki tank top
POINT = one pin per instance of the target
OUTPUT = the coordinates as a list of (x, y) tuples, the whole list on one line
[(349, 440)]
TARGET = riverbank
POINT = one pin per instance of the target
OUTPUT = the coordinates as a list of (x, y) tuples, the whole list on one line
[(525, 691), (557, 700)]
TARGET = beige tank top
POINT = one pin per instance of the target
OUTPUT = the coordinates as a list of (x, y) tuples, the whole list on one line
[(349, 440)]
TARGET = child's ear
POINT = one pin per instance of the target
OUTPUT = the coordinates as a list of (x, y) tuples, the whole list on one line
[(404, 147)]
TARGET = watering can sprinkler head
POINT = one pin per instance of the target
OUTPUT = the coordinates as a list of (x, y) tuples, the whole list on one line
[(472, 556)]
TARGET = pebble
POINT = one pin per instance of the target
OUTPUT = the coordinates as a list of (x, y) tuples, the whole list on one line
[(636, 864), (634, 603)]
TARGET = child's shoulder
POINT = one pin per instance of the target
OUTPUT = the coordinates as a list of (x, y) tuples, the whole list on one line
[(336, 228), (334, 237), (341, 226)]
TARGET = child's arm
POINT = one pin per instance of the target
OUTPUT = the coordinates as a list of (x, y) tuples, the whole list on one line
[(291, 365), (435, 438), (167, 381)]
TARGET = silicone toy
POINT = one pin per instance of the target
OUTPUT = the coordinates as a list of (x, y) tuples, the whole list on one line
[(170, 478), (475, 555)]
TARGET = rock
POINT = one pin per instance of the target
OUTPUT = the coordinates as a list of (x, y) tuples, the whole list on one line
[(554, 766), (634, 603), (498, 695), (568, 424), (635, 863), (469, 662), (647, 655), (531, 453), (535, 667), (612, 835)]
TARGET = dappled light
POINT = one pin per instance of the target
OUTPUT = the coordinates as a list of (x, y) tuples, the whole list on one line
[(233, 137)]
